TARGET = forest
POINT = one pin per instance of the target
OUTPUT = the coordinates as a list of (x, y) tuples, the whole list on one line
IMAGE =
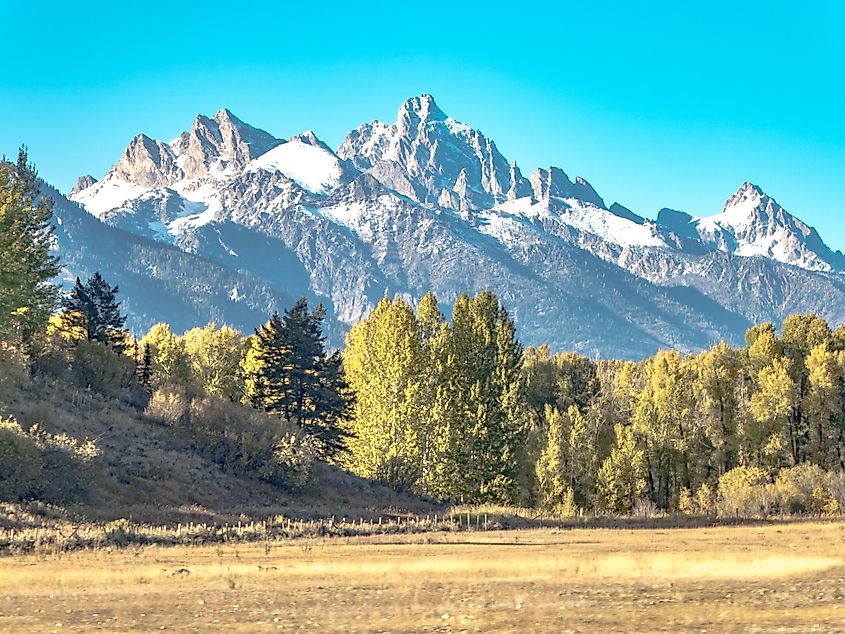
[(449, 408)]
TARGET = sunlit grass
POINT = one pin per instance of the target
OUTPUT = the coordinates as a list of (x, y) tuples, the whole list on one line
[(717, 578)]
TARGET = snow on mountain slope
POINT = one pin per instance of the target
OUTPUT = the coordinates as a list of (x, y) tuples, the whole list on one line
[(753, 224), (428, 202), (586, 217), (312, 167)]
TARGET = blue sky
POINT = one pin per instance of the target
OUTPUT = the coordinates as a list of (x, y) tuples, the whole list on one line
[(656, 104)]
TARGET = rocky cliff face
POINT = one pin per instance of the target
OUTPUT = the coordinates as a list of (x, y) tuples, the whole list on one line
[(429, 203), (219, 144), (434, 160)]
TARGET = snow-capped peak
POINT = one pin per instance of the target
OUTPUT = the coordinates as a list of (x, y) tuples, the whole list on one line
[(434, 159), (220, 144), (753, 224), (304, 159)]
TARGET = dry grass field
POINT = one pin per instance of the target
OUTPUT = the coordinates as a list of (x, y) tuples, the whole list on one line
[(773, 578)]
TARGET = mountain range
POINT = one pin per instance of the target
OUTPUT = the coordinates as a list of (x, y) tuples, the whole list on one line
[(228, 222)]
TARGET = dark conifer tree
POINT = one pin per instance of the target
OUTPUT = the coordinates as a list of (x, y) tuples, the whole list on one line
[(289, 373), (265, 367), (96, 307), (27, 297), (145, 367)]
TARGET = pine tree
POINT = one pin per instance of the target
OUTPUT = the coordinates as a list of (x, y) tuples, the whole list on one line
[(94, 304), (264, 366), (288, 372), (314, 393), (145, 367), (302, 343), (27, 297)]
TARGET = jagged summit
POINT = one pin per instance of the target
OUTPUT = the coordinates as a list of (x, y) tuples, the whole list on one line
[(753, 224), (147, 162), (421, 108), (434, 159), (429, 202), (554, 183), (220, 143), (83, 182)]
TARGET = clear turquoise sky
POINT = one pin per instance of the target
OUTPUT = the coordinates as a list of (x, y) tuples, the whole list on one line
[(656, 104)]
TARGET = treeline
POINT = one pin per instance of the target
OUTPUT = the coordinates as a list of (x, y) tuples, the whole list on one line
[(457, 410), (454, 409)]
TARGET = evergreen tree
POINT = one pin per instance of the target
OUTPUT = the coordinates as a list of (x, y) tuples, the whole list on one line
[(96, 307), (264, 364), (145, 367), (27, 297), (287, 371)]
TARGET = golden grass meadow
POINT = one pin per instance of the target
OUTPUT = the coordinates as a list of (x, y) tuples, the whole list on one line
[(783, 577)]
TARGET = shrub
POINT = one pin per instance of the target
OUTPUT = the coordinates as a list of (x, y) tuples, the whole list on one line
[(836, 484), (96, 366), (14, 370), (704, 502), (239, 439), (686, 504), (294, 455), (745, 491), (38, 465), (170, 405), (804, 488), (20, 463)]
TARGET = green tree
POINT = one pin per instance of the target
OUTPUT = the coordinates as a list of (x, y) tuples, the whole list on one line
[(566, 466), (27, 296), (764, 436), (620, 479), (488, 409), (215, 356), (717, 373), (663, 418), (263, 366), (95, 304), (383, 363), (170, 363)]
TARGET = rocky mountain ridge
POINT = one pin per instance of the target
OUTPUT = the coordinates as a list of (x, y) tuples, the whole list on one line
[(428, 202)]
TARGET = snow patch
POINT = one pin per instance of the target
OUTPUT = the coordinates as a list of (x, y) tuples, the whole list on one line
[(107, 194), (586, 217), (311, 167)]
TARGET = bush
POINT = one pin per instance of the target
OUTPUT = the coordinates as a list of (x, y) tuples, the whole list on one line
[(97, 367), (704, 501), (745, 491), (36, 465), (804, 488), (836, 484), (169, 405), (239, 439), (20, 464), (14, 370)]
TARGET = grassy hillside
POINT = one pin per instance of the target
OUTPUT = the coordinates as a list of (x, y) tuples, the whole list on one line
[(153, 472)]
